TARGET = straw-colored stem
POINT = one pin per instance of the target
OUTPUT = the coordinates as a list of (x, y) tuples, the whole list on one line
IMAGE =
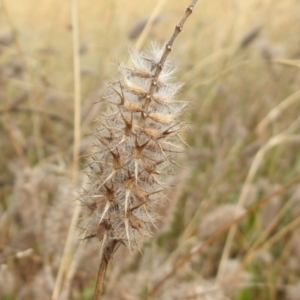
[(67, 254), (77, 90)]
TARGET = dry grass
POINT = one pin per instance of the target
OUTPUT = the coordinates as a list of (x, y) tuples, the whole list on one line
[(240, 64)]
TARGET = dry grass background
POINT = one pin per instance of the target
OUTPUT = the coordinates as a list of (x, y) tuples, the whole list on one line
[(231, 230)]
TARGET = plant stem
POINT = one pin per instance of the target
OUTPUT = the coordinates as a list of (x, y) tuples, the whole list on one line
[(106, 255)]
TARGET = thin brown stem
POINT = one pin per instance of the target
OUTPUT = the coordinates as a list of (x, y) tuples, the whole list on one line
[(169, 44), (168, 47), (106, 256)]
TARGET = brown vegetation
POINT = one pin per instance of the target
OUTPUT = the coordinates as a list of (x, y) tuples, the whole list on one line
[(231, 227)]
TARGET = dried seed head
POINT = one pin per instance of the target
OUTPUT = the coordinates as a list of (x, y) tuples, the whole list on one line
[(136, 144)]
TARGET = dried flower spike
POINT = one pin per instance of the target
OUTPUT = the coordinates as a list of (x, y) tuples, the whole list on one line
[(135, 143), (133, 152)]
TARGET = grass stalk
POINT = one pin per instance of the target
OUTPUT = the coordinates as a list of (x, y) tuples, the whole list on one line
[(67, 253)]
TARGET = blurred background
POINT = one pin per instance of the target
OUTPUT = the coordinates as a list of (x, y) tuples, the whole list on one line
[(231, 229)]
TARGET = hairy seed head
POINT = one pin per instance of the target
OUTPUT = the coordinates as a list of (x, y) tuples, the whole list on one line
[(135, 143)]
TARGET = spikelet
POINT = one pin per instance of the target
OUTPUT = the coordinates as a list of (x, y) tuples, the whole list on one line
[(135, 142)]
